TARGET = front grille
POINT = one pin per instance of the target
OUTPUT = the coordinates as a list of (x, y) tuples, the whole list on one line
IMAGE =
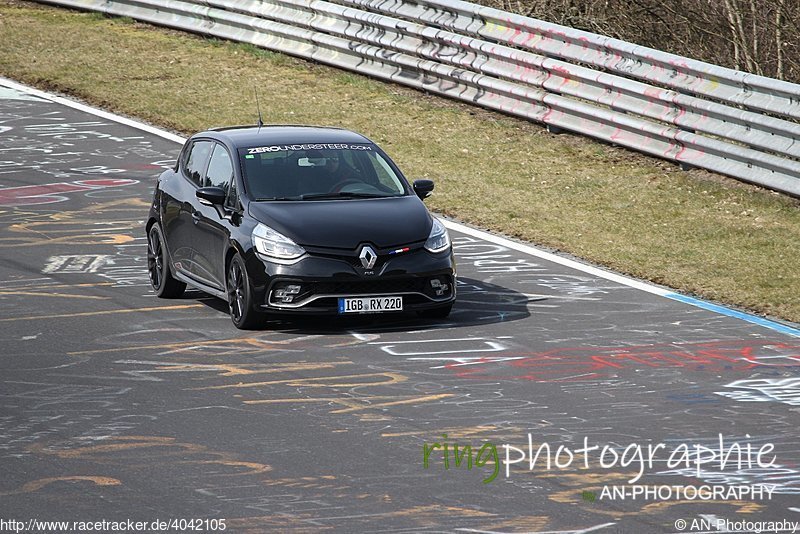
[(367, 287)]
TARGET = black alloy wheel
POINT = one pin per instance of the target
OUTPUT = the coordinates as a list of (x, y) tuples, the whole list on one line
[(164, 285), (240, 296)]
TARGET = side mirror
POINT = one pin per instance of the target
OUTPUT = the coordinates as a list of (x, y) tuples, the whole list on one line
[(211, 196), (423, 188)]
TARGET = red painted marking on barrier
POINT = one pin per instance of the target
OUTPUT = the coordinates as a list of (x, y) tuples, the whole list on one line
[(679, 116), (28, 195), (653, 93), (618, 135), (583, 364), (681, 154), (562, 72)]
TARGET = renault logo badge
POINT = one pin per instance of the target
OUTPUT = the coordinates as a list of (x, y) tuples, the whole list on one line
[(368, 257)]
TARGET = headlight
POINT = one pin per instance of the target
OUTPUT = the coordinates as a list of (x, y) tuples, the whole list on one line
[(274, 245), (439, 239)]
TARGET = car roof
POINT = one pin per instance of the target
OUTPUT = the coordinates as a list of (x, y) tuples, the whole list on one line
[(251, 136)]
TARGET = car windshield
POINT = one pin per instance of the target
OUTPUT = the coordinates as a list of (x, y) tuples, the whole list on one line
[(318, 172)]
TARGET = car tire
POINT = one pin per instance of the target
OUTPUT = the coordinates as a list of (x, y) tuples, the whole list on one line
[(240, 296), (158, 267), (436, 313)]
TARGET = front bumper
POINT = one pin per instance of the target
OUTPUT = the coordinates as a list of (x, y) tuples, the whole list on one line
[(315, 284)]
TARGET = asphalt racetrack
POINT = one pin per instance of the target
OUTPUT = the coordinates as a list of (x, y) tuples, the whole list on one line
[(648, 414)]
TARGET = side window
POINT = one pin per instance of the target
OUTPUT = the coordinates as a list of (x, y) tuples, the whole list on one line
[(220, 169), (196, 161)]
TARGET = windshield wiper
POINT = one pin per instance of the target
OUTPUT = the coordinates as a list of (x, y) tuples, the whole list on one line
[(341, 194), (269, 199)]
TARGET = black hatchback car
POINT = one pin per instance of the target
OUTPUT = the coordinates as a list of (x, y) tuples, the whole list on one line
[(297, 219)]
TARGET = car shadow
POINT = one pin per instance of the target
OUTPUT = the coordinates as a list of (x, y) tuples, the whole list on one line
[(478, 303)]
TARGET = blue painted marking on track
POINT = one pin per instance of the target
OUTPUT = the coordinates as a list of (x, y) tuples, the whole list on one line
[(772, 325)]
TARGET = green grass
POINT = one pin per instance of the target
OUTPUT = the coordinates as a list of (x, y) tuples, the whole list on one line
[(700, 233)]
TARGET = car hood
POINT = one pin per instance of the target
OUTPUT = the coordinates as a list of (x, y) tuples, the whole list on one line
[(344, 224)]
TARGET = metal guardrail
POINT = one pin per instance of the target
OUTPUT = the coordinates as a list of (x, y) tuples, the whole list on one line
[(683, 110)]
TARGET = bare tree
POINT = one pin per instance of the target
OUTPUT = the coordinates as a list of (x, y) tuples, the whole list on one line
[(758, 36), (779, 73)]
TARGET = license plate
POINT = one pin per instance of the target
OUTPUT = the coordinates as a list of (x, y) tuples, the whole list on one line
[(370, 304)]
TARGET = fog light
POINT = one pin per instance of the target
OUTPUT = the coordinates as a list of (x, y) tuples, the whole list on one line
[(286, 294), (439, 287)]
